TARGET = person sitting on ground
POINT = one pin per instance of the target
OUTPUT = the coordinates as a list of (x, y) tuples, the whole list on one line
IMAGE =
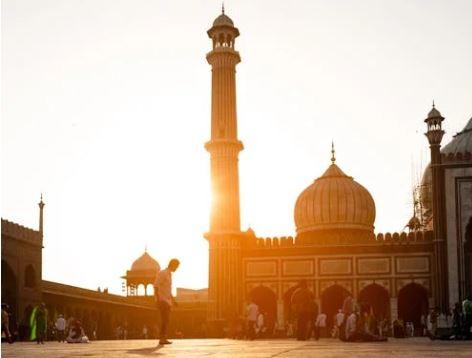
[(77, 334)]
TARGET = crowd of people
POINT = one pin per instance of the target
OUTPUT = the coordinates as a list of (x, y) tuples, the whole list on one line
[(353, 322)]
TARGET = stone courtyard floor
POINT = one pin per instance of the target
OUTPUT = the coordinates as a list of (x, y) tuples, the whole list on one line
[(405, 348)]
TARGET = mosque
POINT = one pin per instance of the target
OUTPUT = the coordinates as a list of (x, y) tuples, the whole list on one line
[(335, 248)]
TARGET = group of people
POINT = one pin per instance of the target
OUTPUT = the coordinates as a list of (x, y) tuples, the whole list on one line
[(70, 331), (351, 323)]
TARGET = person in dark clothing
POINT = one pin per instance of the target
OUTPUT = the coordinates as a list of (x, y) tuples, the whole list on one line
[(302, 306), (457, 321)]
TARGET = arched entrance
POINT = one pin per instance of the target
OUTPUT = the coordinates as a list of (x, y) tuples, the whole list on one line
[(375, 297), (468, 258), (10, 291), (412, 303), (332, 300), (266, 299)]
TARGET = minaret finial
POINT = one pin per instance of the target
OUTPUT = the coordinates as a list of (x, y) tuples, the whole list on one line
[(333, 156), (223, 7)]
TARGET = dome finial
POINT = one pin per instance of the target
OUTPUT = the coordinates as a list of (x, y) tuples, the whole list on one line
[(333, 153), (145, 247), (433, 103), (223, 7)]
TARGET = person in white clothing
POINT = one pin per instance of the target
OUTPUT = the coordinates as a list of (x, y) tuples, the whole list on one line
[(60, 328), (252, 314), (338, 322), (351, 326), (163, 295), (320, 325)]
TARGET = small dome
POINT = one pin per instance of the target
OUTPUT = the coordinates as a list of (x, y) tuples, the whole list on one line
[(145, 262), (434, 113), (334, 202), (461, 142), (223, 20)]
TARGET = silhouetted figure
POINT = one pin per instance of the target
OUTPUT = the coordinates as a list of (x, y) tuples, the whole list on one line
[(320, 326), (163, 294), (467, 313), (252, 311), (38, 323), (457, 318), (6, 323), (302, 306)]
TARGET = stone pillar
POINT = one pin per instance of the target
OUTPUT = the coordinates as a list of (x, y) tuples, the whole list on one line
[(280, 314), (393, 308)]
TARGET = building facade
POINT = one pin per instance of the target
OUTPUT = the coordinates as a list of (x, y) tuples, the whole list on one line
[(335, 249)]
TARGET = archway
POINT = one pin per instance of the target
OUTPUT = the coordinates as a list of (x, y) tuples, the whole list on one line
[(375, 297), (10, 291), (266, 299), (412, 303), (468, 258), (30, 277), (332, 300), (141, 290), (150, 289)]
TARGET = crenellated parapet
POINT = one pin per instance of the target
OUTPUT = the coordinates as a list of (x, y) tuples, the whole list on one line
[(400, 238), (275, 242), (18, 231), (403, 237)]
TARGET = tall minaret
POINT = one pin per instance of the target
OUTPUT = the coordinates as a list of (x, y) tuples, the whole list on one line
[(435, 134), (225, 275), (41, 207)]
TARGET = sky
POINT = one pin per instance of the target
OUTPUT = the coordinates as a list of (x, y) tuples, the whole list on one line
[(106, 107)]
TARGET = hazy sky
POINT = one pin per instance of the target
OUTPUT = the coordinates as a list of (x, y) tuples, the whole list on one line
[(106, 106)]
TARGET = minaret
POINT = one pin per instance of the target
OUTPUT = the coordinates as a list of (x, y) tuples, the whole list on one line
[(224, 236), (41, 207), (435, 134)]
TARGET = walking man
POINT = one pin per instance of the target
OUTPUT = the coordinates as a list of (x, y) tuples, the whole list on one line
[(163, 294)]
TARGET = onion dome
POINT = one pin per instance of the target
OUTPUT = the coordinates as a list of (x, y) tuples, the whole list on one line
[(334, 203), (144, 263), (223, 20)]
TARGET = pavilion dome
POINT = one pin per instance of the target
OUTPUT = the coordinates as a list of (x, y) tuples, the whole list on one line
[(223, 20), (145, 263), (334, 202)]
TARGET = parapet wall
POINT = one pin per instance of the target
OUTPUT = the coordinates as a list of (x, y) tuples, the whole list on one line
[(388, 238), (18, 231)]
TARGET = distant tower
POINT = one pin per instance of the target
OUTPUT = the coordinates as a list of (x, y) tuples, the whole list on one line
[(435, 134), (41, 207), (224, 236)]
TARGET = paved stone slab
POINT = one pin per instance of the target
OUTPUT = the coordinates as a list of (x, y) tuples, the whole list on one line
[(284, 348)]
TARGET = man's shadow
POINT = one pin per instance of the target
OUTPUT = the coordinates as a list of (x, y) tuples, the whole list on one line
[(147, 351)]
